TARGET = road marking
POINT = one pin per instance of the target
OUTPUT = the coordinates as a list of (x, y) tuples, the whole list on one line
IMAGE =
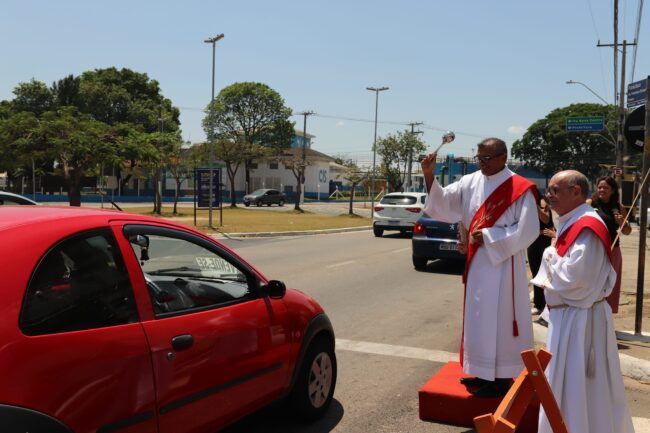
[(336, 265), (394, 350), (401, 250), (641, 425)]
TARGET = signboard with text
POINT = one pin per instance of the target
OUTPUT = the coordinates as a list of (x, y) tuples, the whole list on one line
[(585, 124), (636, 93), (202, 185)]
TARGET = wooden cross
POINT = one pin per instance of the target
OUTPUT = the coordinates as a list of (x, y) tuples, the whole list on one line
[(511, 410)]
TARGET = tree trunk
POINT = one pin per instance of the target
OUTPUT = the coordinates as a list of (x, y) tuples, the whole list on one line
[(247, 187), (231, 177), (176, 194), (74, 190), (352, 198), (157, 199), (298, 192)]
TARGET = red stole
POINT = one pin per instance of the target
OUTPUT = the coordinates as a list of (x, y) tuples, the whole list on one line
[(488, 214), (568, 237)]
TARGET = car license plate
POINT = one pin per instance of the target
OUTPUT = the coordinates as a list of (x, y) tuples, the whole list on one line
[(449, 247)]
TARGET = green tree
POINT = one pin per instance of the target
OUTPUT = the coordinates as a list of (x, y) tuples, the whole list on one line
[(34, 97), (394, 151), (354, 176), (253, 111), (548, 147)]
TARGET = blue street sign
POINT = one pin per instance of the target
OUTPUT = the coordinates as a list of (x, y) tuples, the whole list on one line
[(202, 181), (585, 124), (636, 93)]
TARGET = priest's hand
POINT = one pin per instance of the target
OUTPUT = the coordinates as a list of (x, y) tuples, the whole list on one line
[(476, 237), (429, 163)]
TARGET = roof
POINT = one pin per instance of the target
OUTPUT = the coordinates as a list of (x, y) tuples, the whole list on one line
[(310, 154), (15, 216)]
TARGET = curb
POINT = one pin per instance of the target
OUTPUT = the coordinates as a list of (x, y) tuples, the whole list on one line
[(291, 233), (634, 368)]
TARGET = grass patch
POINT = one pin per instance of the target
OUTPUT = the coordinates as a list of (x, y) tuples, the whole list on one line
[(243, 220)]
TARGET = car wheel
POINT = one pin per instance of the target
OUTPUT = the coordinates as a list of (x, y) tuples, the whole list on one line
[(312, 393), (281, 203), (378, 231), (419, 262), (259, 203), (247, 204)]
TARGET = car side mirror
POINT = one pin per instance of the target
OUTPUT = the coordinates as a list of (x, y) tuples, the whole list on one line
[(275, 289), (143, 242)]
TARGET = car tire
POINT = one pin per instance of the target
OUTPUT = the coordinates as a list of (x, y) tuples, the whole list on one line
[(312, 393), (281, 203), (419, 262), (378, 232), (259, 203), (247, 204)]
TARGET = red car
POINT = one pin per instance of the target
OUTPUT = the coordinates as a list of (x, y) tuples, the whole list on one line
[(113, 322)]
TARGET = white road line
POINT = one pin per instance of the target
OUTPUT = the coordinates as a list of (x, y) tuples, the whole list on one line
[(401, 250), (641, 425), (393, 350), (336, 265)]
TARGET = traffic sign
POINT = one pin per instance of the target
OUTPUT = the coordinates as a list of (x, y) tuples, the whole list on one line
[(634, 129), (636, 93), (585, 123), (617, 171)]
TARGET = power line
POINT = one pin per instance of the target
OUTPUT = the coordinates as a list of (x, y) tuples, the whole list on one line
[(636, 37)]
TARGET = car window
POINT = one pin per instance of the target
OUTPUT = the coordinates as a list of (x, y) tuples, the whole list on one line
[(81, 283), (423, 199), (403, 200), (183, 276)]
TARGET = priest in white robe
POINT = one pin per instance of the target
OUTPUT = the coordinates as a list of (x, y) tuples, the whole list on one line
[(490, 349), (576, 274)]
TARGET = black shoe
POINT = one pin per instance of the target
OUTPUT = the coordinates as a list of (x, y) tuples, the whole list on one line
[(473, 381), (495, 389)]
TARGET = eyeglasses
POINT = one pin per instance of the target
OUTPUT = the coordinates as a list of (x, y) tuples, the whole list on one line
[(553, 190), (486, 158)]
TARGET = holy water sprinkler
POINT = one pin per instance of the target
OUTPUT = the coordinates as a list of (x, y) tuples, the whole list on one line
[(448, 137)]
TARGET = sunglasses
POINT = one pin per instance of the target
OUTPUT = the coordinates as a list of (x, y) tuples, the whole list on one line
[(486, 158)]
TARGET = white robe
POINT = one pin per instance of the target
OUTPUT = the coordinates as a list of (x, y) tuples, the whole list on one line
[(584, 373), (490, 349)]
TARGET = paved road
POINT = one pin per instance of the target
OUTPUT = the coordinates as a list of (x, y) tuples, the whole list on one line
[(395, 327)]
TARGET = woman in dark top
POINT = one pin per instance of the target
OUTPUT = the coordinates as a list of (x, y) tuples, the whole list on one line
[(606, 202), (536, 249)]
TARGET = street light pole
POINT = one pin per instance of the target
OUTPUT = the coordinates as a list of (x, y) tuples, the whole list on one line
[(588, 88), (212, 41), (374, 150), (618, 143)]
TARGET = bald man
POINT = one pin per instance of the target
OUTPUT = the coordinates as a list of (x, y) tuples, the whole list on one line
[(577, 276)]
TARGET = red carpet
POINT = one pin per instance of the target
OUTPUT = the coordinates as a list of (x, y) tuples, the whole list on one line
[(444, 400)]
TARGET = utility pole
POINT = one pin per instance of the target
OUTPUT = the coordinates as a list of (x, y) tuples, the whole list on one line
[(303, 166), (620, 118), (410, 157)]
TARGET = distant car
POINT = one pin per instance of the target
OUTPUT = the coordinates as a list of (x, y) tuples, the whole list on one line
[(9, 198), (398, 211), (117, 322), (265, 196), (434, 240)]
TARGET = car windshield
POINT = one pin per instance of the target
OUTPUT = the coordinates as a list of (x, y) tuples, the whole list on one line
[(399, 200), (259, 192)]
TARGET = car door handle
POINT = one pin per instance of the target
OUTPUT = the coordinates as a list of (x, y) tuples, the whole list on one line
[(182, 341)]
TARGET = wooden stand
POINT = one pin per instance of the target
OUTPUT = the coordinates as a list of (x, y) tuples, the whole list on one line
[(531, 381)]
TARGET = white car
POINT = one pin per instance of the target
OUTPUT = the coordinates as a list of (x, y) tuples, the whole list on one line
[(398, 211), (9, 198)]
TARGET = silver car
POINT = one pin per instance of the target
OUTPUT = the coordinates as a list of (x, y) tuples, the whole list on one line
[(9, 198)]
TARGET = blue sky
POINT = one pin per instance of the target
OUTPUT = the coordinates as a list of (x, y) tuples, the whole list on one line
[(479, 68)]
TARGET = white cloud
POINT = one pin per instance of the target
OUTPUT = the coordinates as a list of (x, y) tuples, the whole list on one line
[(516, 130), (340, 124)]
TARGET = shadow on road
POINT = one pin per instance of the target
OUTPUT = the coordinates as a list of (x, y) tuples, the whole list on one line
[(450, 267), (277, 419)]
